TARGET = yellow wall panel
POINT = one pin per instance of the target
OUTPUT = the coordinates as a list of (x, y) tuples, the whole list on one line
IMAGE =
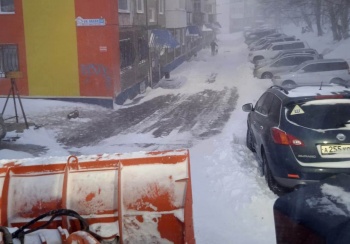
[(51, 47)]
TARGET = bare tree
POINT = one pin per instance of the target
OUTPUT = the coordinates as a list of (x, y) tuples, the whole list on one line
[(318, 16)]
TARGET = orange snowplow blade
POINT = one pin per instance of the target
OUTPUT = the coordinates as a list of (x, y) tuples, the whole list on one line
[(138, 197)]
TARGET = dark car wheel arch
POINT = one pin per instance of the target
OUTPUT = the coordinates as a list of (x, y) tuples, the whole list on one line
[(274, 186)]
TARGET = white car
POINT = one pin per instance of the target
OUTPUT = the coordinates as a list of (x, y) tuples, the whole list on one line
[(282, 64), (315, 72), (274, 48)]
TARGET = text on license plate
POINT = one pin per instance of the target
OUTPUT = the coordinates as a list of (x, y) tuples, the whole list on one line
[(335, 149)]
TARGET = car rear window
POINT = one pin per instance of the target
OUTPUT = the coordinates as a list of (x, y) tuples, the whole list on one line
[(320, 114)]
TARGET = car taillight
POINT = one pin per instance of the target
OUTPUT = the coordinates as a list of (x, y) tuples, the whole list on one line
[(283, 138)]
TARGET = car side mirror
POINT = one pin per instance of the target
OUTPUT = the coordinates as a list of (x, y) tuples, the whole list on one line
[(247, 107)]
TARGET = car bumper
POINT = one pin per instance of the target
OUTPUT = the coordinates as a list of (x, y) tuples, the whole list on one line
[(289, 173)]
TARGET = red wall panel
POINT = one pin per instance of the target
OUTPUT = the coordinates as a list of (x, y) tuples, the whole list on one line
[(12, 32), (98, 48)]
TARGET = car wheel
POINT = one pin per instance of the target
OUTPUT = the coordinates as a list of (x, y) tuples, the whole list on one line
[(249, 140), (266, 75), (270, 180), (289, 84)]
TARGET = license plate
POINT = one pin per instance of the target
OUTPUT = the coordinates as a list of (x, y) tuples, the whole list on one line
[(335, 149)]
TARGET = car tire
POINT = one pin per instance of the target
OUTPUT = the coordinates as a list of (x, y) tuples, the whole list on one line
[(270, 180), (289, 84), (266, 75), (249, 140)]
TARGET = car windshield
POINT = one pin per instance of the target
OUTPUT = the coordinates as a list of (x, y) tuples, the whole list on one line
[(320, 114)]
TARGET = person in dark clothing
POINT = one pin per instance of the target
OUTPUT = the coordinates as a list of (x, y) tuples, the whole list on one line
[(214, 47)]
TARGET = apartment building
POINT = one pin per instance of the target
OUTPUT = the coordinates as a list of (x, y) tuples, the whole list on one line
[(53, 46), (106, 53), (242, 13)]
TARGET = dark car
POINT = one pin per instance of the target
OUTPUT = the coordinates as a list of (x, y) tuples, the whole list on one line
[(300, 136)]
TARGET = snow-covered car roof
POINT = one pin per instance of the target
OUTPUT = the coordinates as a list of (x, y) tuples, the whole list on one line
[(303, 91)]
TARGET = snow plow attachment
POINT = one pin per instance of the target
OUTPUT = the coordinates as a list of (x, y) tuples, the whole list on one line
[(116, 198)]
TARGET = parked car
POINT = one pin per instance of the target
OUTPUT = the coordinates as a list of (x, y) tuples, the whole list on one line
[(288, 52), (272, 40), (283, 64), (301, 136), (263, 39), (315, 72), (2, 127), (256, 35), (274, 48)]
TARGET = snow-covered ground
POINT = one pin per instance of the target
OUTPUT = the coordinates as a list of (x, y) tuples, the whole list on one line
[(231, 202)]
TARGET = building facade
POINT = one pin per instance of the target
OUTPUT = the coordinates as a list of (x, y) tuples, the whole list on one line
[(57, 52), (242, 13), (107, 53)]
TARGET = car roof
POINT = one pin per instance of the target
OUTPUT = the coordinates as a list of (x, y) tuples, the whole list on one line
[(324, 61), (309, 92), (288, 42), (298, 50), (295, 54)]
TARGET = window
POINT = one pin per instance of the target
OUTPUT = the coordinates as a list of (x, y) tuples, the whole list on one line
[(182, 4), (197, 7), (161, 6), (277, 47), (123, 5), (338, 66), (301, 59), (151, 15), (8, 59), (7, 7), (296, 45), (321, 116), (139, 6), (275, 109), (284, 62), (263, 104), (312, 68), (127, 55)]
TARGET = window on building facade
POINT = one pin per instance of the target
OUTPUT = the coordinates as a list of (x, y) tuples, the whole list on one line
[(123, 5), (197, 7), (182, 4), (8, 59), (151, 15), (127, 54), (161, 6), (139, 6), (142, 49), (7, 6)]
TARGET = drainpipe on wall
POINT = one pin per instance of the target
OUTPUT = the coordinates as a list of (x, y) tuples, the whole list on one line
[(149, 48)]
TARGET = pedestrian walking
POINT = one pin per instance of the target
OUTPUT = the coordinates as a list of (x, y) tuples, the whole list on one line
[(214, 47)]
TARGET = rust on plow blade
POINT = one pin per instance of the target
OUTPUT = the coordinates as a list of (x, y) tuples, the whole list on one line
[(138, 197)]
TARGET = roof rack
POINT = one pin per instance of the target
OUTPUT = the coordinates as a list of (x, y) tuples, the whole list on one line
[(281, 88)]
